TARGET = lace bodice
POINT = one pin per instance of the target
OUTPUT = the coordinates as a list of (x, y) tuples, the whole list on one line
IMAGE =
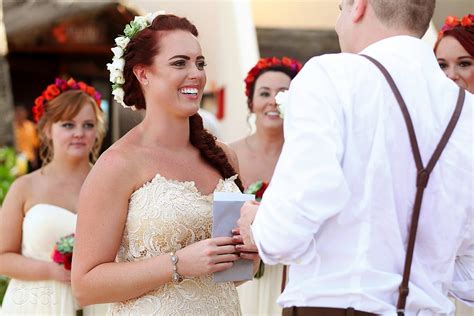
[(167, 215)]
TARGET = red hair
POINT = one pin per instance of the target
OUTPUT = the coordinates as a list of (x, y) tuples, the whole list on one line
[(463, 35), (461, 30)]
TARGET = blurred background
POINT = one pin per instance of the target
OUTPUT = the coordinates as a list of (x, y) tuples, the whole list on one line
[(43, 39)]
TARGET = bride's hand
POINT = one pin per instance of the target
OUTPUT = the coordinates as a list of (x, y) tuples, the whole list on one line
[(246, 252), (207, 256)]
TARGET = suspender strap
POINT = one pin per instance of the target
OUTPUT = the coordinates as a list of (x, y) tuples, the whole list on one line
[(423, 173)]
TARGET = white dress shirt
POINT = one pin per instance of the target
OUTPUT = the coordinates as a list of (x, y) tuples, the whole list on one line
[(340, 202)]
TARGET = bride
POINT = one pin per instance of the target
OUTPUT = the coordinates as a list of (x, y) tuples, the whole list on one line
[(143, 238), (40, 207)]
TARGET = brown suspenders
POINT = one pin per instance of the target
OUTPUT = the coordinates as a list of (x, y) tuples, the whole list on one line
[(423, 174)]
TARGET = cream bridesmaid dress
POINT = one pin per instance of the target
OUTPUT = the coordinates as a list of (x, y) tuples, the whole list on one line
[(43, 225)]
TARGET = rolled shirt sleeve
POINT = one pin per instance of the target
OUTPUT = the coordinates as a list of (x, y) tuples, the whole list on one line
[(308, 185)]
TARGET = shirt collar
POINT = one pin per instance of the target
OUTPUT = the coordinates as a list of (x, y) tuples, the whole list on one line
[(404, 47)]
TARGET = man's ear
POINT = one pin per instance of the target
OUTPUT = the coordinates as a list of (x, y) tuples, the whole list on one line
[(141, 74), (359, 9)]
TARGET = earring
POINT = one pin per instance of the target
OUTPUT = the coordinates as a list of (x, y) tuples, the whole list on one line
[(145, 82)]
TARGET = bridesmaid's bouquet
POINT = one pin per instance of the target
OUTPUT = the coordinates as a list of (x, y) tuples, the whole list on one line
[(62, 251), (257, 188)]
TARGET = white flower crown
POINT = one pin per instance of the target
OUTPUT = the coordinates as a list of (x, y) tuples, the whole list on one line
[(116, 67)]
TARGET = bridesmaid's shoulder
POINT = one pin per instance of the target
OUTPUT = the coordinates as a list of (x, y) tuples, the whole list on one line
[(230, 153)]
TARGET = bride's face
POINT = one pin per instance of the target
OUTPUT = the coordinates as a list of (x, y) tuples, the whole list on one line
[(75, 138), (176, 79)]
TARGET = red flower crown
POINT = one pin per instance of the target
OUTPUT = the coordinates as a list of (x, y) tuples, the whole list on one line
[(269, 62), (60, 86), (452, 21)]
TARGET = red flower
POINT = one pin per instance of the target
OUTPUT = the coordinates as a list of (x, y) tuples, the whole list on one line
[(466, 21), (57, 256), (452, 21), (39, 101), (60, 86), (51, 92), (90, 91), (71, 83), (67, 261), (63, 250), (285, 61), (259, 193), (275, 61), (82, 86)]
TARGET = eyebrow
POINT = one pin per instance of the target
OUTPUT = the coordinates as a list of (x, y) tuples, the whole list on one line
[(267, 88), (461, 57), (185, 57)]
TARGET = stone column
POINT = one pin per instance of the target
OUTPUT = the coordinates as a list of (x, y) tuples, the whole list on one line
[(6, 97)]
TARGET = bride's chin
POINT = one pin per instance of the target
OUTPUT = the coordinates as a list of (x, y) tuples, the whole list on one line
[(191, 111)]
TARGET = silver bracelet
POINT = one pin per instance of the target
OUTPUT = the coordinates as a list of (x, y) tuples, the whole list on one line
[(175, 277)]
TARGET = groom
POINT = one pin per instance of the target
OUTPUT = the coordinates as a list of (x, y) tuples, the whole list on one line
[(339, 207)]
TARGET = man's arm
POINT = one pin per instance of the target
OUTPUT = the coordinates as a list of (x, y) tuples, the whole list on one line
[(308, 185)]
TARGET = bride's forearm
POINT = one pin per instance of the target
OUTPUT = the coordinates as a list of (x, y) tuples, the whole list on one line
[(115, 282)]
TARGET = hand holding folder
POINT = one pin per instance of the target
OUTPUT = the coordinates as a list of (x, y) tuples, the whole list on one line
[(226, 212)]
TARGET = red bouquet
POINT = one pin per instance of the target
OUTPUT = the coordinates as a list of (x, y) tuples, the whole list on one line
[(257, 188), (62, 251)]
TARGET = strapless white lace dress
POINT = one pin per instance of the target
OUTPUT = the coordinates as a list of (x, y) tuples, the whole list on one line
[(167, 215)]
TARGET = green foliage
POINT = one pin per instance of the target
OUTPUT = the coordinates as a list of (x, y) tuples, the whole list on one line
[(3, 287), (66, 244), (7, 170)]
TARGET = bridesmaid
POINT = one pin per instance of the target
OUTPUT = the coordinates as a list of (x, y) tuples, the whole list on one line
[(454, 50), (40, 207), (258, 154)]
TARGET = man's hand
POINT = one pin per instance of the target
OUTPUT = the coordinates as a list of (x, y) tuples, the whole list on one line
[(247, 215)]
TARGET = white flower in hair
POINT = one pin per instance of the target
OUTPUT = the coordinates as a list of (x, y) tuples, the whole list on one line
[(122, 42), (141, 21), (151, 16), (118, 52), (118, 62), (281, 100), (118, 95)]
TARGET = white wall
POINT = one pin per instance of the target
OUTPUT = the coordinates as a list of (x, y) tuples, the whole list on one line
[(296, 14), (3, 35), (229, 42)]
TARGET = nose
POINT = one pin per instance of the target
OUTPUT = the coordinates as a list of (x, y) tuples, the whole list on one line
[(78, 132), (452, 73), (196, 73), (273, 100)]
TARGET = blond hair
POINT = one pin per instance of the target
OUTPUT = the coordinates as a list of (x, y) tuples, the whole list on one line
[(65, 107), (414, 15)]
